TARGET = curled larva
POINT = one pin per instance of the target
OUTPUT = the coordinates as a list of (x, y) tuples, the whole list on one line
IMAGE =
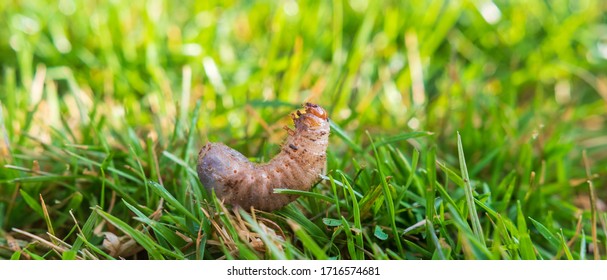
[(298, 166)]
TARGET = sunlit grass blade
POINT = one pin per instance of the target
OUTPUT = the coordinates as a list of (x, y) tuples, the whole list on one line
[(162, 192), (351, 243), (472, 245), (438, 248), (387, 196), (564, 246), (583, 246), (312, 195), (552, 238), (355, 211), (473, 215), (85, 232), (145, 241), (430, 187), (525, 244), (160, 229), (290, 212), (307, 241)]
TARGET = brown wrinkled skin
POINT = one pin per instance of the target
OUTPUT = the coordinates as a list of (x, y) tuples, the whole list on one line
[(298, 166)]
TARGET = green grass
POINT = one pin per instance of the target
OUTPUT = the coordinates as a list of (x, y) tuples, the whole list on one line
[(454, 135)]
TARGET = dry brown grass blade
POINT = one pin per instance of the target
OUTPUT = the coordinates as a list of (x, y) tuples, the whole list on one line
[(593, 209), (84, 252), (224, 239), (595, 241), (578, 230), (47, 217), (57, 248), (13, 244), (245, 234), (275, 226), (603, 219)]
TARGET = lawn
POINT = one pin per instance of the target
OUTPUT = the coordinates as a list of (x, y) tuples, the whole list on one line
[(459, 129)]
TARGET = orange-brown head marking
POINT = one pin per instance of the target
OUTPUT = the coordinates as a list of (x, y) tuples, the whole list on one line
[(316, 111)]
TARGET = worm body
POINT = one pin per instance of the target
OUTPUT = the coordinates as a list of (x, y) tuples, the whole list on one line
[(298, 166)]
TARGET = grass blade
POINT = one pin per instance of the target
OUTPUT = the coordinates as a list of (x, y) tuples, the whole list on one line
[(473, 215), (387, 196), (525, 245), (145, 241), (162, 192), (552, 239), (32, 203), (307, 241)]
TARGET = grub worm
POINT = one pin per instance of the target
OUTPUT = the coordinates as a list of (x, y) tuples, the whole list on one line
[(298, 166)]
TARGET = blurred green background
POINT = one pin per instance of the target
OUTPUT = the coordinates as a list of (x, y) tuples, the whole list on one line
[(378, 64), (523, 82)]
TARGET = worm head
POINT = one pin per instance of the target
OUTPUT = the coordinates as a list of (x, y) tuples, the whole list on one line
[(316, 111), (313, 117)]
